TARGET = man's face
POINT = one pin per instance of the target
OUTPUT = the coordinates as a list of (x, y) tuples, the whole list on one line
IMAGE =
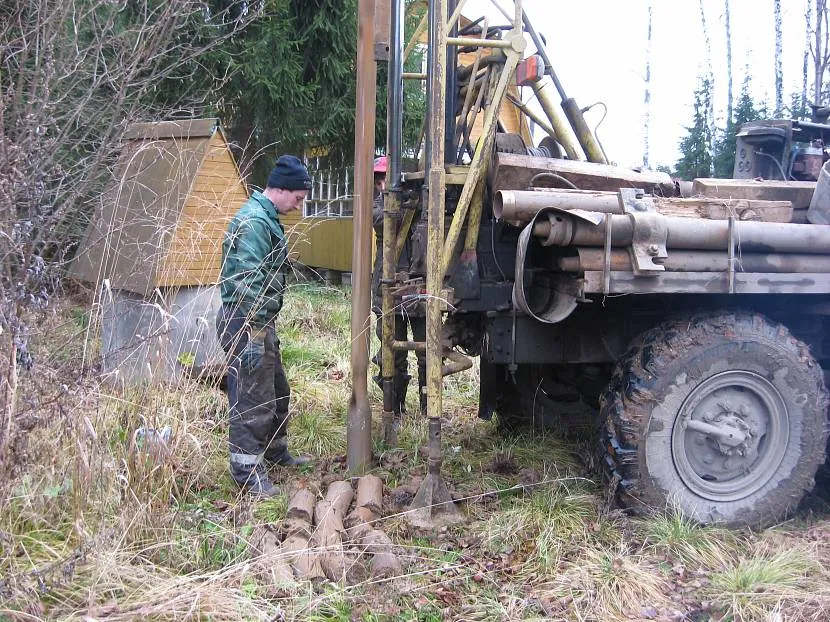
[(288, 200)]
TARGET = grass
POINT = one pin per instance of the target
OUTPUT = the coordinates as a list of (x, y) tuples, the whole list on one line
[(99, 523)]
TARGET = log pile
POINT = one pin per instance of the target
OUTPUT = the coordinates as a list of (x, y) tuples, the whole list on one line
[(330, 539)]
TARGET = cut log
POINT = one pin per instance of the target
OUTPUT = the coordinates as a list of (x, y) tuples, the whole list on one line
[(296, 526), (370, 493), (270, 563), (515, 172), (302, 505), (340, 494), (799, 193), (346, 568), (303, 558), (385, 564), (359, 522)]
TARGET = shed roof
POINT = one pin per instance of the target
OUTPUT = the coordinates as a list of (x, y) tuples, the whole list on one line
[(174, 189)]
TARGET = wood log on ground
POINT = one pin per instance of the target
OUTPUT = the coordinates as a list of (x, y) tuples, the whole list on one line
[(328, 541), (359, 522), (340, 494), (296, 526), (370, 493), (302, 505), (303, 557), (269, 561), (385, 564)]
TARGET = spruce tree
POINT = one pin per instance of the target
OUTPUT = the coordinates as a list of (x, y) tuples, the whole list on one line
[(696, 159)]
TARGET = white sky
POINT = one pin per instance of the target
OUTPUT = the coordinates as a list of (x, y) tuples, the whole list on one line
[(598, 50)]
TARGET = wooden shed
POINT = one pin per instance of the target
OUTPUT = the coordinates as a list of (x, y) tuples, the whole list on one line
[(153, 249)]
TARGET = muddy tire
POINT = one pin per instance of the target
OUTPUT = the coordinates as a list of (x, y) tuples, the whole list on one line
[(721, 415), (561, 399)]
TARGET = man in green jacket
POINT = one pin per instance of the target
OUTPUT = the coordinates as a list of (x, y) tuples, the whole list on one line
[(254, 260)]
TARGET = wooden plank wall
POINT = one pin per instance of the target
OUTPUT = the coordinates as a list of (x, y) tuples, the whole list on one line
[(324, 243), (217, 194)]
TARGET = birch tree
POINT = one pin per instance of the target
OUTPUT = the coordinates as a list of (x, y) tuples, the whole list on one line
[(779, 67), (821, 58), (729, 94), (708, 83), (805, 68), (647, 96)]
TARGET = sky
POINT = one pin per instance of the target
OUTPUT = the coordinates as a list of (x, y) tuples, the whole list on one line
[(598, 51)]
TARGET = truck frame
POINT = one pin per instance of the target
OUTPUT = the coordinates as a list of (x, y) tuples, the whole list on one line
[(685, 323)]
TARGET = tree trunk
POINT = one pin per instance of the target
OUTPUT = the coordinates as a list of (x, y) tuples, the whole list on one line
[(647, 97), (710, 108), (820, 51), (729, 94), (9, 381), (779, 67), (805, 69)]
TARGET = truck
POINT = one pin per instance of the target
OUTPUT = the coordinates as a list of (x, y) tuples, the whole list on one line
[(684, 324)]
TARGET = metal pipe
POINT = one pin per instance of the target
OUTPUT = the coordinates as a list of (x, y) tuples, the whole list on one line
[(468, 98), (485, 43), (414, 76), (394, 113), (691, 234), (593, 260), (392, 202), (416, 36), (523, 205), (436, 208), (530, 114), (541, 51), (482, 151), (572, 110), (583, 133), (451, 71), (563, 132), (359, 426)]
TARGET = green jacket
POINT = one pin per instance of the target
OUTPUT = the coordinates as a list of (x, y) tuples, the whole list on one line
[(254, 261)]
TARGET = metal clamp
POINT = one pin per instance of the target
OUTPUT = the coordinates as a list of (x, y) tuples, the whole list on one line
[(648, 244)]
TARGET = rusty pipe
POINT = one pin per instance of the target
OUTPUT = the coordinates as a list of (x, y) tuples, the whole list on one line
[(359, 424), (563, 229), (523, 205), (593, 260)]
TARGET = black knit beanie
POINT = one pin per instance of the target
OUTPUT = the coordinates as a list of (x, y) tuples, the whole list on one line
[(289, 174)]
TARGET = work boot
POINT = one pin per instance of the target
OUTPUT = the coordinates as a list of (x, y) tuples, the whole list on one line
[(278, 454), (254, 480), (287, 459)]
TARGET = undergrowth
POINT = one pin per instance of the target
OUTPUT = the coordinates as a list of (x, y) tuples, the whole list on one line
[(101, 521)]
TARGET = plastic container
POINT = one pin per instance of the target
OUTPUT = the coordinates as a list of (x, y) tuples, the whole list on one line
[(819, 212)]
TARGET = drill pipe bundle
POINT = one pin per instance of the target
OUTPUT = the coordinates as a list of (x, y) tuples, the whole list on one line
[(592, 259), (563, 229)]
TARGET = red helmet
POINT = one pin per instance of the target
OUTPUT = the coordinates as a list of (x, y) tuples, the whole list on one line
[(380, 164)]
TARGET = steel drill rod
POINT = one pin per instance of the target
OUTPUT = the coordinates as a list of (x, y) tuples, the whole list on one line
[(593, 260), (691, 234), (392, 205)]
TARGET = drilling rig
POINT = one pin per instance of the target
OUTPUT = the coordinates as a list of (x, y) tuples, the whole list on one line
[(687, 322)]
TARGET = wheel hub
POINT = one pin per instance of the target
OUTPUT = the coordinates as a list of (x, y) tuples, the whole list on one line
[(729, 435)]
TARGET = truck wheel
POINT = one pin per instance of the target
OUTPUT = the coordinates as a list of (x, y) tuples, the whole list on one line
[(721, 415), (562, 399)]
